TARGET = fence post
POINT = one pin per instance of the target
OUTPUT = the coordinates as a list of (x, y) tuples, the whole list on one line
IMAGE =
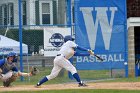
[(43, 62), (20, 36), (68, 12), (126, 69)]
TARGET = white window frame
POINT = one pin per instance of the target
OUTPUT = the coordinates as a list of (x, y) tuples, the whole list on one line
[(9, 16), (24, 13), (51, 11)]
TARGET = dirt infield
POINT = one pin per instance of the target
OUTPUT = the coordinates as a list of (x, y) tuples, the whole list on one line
[(116, 85)]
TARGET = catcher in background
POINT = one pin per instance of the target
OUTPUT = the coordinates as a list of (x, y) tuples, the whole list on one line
[(61, 61), (8, 70)]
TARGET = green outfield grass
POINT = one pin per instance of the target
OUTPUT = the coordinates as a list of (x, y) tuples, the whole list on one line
[(79, 91), (100, 76), (86, 75)]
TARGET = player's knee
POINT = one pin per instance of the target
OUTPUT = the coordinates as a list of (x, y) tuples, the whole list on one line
[(52, 76), (73, 71)]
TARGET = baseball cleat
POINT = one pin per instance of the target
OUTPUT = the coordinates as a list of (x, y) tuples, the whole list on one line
[(37, 86), (5, 84), (82, 84)]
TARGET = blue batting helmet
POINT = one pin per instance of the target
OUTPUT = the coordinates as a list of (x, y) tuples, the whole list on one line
[(68, 37), (13, 54)]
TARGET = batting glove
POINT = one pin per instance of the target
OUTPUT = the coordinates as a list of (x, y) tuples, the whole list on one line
[(91, 52)]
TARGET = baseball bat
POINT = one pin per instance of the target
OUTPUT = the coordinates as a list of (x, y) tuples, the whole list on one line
[(92, 53), (98, 57)]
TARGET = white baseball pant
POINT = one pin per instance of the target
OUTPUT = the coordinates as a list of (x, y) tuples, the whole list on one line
[(59, 63), (6, 76)]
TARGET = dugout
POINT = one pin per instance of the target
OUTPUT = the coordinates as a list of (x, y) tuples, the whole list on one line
[(134, 46), (137, 49)]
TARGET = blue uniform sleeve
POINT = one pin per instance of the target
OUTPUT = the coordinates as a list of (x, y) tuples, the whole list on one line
[(15, 69), (2, 62), (81, 48), (81, 54)]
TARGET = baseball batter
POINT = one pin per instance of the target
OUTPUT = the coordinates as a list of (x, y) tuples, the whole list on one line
[(8, 70), (61, 61)]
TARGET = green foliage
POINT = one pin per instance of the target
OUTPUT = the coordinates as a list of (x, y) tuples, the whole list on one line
[(2, 31)]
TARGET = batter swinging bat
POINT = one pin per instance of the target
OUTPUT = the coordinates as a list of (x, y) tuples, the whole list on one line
[(92, 53)]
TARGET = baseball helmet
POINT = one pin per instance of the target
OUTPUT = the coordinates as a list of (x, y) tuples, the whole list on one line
[(14, 55), (68, 37)]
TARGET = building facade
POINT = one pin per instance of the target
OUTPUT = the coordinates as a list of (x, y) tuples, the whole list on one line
[(34, 12)]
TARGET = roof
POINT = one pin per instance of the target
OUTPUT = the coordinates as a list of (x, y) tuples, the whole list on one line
[(9, 45)]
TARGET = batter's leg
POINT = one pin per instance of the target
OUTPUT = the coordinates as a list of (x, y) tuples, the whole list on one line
[(68, 66), (55, 71), (77, 77)]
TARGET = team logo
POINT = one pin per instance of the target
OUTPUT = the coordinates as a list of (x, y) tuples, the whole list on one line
[(106, 25), (56, 40)]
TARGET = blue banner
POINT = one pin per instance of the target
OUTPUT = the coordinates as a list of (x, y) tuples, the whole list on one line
[(101, 26)]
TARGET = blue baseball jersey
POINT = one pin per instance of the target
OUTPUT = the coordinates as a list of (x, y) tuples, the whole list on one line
[(6, 66)]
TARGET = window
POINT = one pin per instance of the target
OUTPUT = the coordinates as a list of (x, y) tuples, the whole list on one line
[(11, 14), (46, 13), (7, 14), (4, 14), (24, 19), (0, 15)]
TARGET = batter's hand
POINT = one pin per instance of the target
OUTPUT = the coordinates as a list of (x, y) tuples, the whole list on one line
[(91, 52)]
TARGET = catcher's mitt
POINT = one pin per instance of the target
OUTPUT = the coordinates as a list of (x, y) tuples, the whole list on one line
[(34, 71)]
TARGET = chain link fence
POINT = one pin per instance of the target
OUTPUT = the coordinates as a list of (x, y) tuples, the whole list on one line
[(37, 15)]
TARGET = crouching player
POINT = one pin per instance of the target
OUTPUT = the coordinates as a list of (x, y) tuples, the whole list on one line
[(9, 71)]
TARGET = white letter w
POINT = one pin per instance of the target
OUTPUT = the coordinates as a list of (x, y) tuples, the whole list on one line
[(102, 19)]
